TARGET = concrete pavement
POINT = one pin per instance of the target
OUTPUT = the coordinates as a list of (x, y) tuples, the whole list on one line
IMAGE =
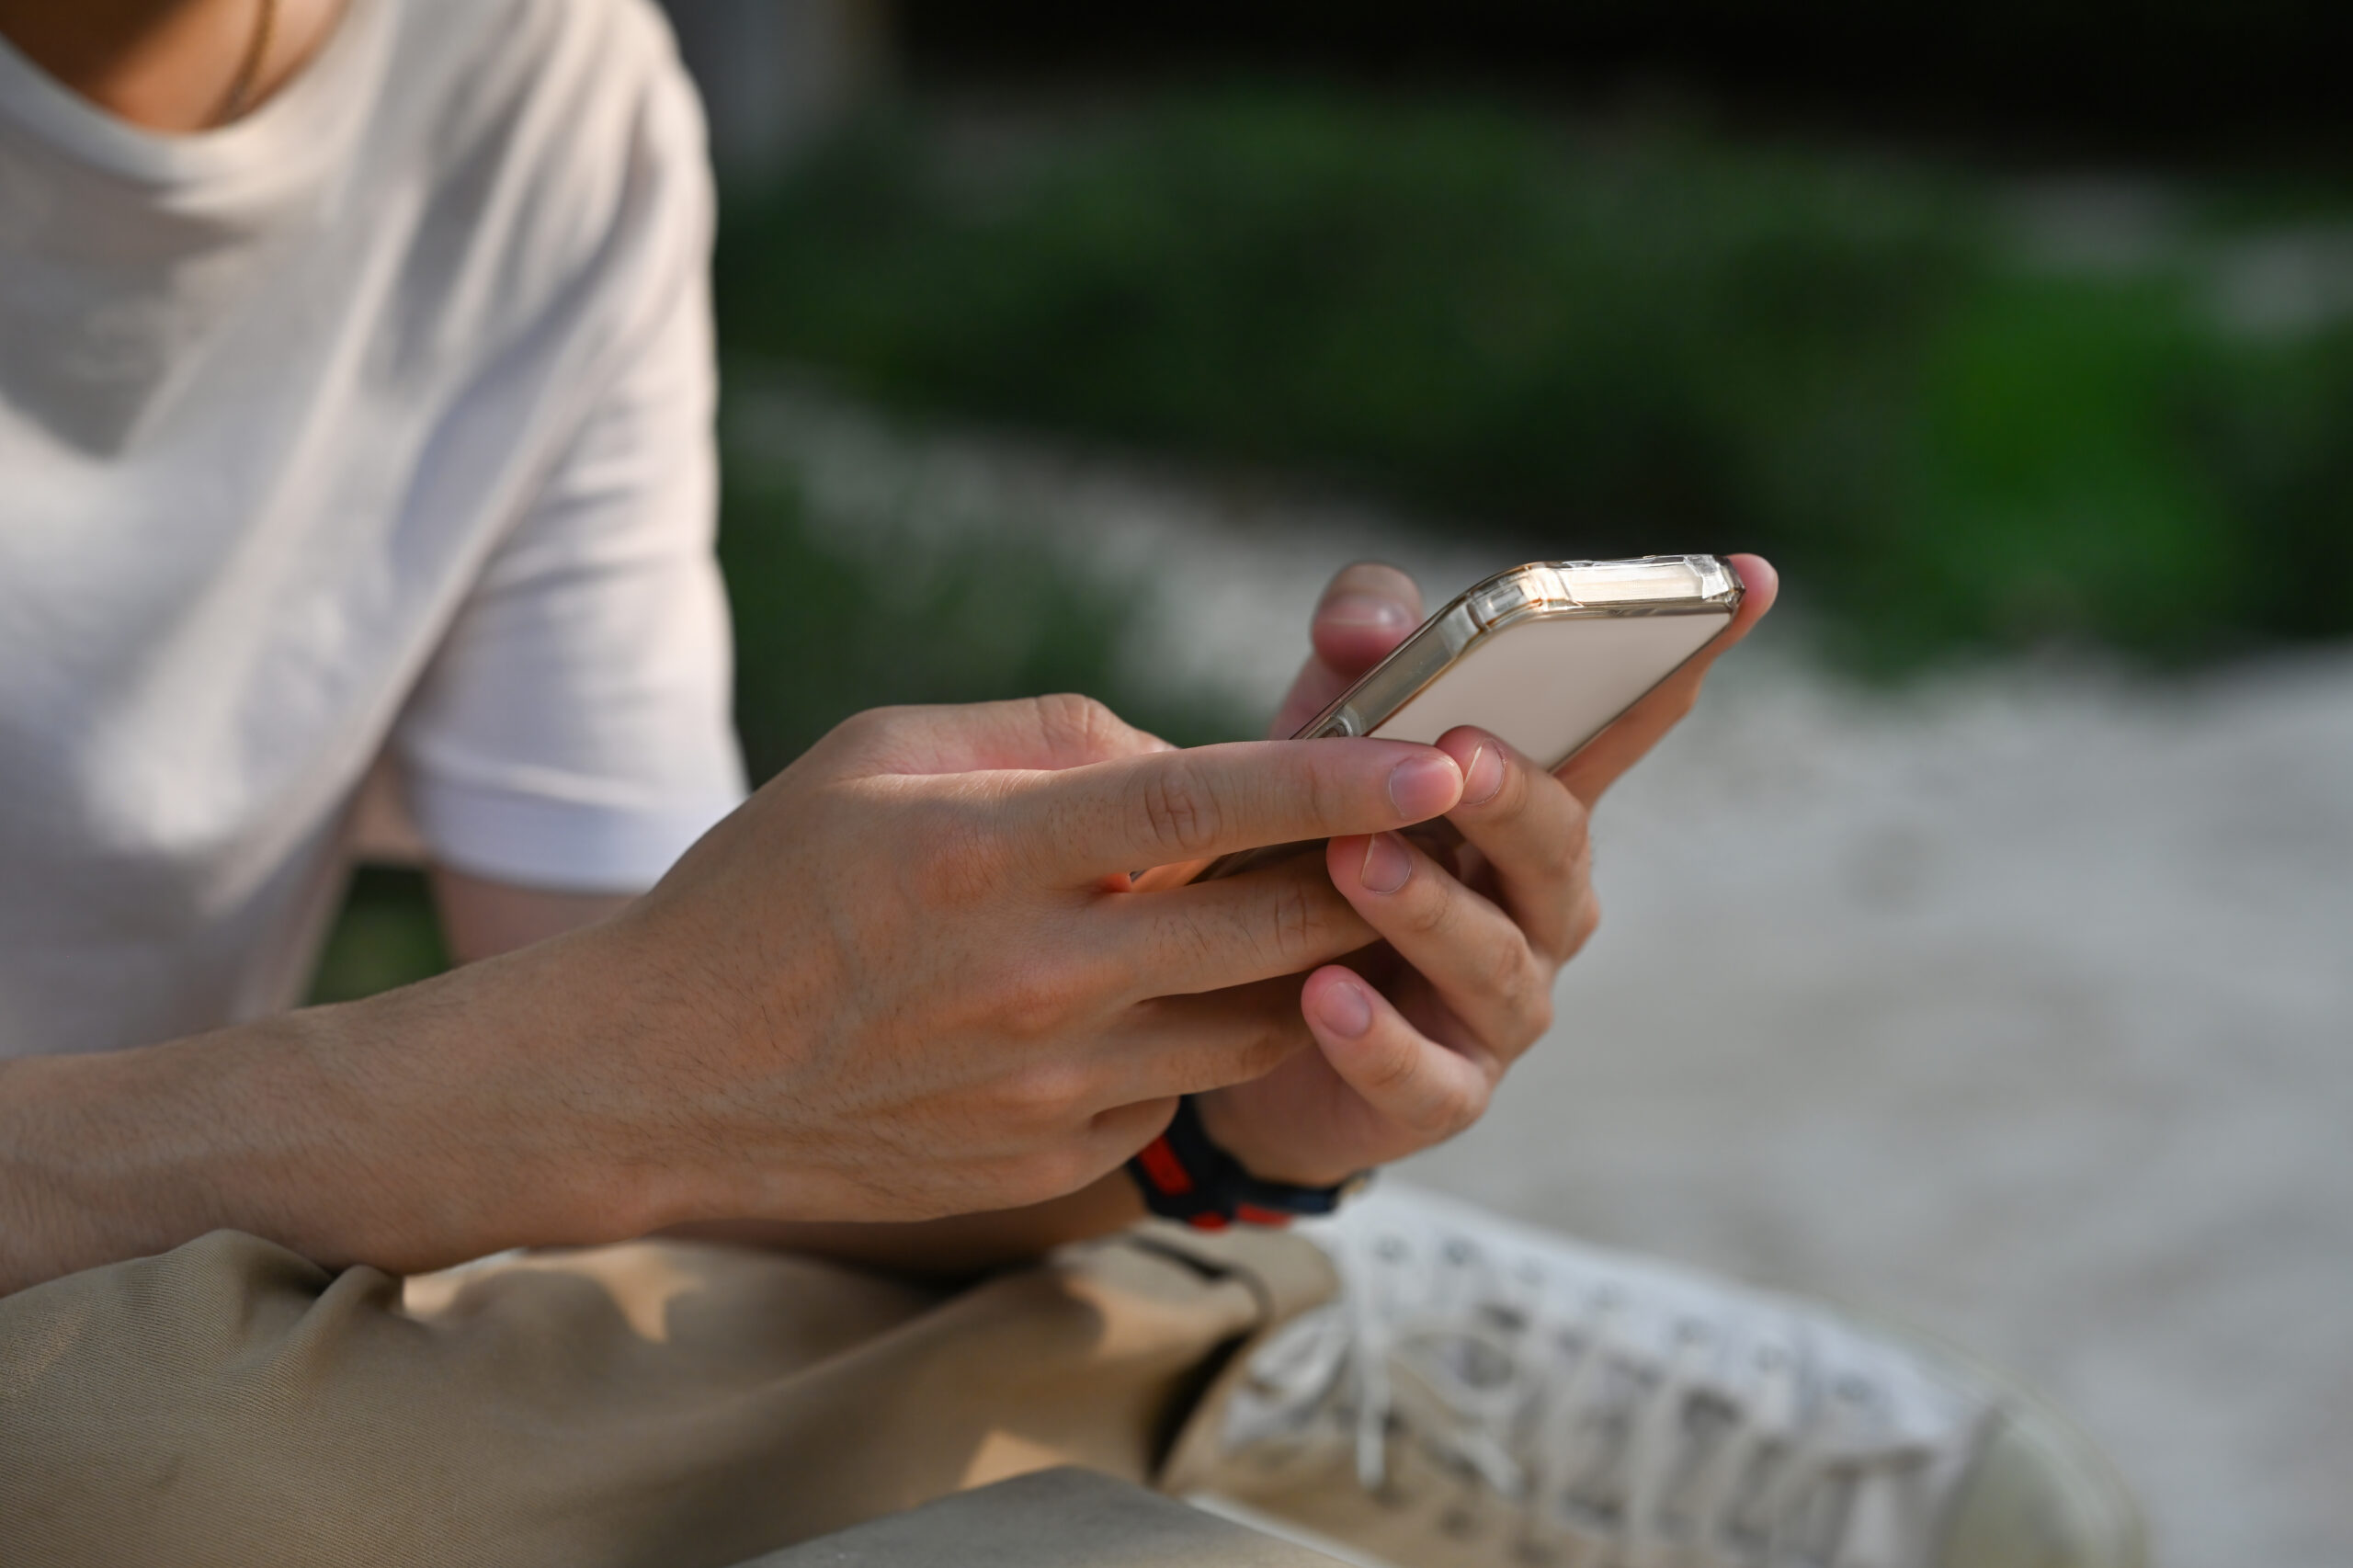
[(2019, 1005)]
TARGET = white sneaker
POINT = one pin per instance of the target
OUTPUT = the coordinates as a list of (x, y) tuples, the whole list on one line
[(1482, 1394)]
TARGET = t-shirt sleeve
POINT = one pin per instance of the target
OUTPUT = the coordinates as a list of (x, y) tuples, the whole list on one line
[(571, 732)]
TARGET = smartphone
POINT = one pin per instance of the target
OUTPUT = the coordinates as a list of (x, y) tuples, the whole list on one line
[(1542, 656)]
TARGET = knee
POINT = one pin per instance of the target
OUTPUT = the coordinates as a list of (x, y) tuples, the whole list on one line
[(139, 1398)]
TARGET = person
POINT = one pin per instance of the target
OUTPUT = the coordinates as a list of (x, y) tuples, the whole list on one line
[(762, 1168)]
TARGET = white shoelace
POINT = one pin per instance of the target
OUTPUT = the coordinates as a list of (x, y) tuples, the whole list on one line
[(1624, 1415)]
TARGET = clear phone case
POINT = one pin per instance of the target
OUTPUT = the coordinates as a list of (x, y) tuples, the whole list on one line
[(1543, 655), (1646, 586)]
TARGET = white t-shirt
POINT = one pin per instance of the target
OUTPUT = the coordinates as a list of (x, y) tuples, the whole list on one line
[(380, 418)]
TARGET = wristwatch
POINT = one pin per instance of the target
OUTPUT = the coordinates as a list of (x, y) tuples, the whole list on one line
[(1184, 1175)]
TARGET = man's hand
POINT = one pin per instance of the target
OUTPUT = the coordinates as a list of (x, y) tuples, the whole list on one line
[(903, 980), (1413, 1036)]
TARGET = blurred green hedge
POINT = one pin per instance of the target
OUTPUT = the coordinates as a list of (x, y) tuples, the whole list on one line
[(1594, 346), (825, 629)]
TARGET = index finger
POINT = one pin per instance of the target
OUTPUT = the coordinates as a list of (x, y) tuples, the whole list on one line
[(1083, 824), (1631, 736)]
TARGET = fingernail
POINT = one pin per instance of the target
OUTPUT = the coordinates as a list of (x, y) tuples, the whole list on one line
[(1387, 863), (1422, 787), (1363, 610), (1484, 776), (1345, 1009)]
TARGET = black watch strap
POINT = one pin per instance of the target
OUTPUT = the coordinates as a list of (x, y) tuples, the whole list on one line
[(1184, 1175)]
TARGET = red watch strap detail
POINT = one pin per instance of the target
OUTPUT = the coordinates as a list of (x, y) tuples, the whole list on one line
[(1183, 1175), (1167, 1171)]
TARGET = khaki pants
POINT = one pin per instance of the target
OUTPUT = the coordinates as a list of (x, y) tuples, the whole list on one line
[(673, 1403)]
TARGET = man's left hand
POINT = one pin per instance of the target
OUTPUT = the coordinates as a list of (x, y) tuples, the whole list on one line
[(1411, 1036)]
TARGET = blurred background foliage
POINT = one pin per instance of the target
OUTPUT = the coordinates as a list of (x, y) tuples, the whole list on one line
[(825, 629), (1593, 342), (385, 937), (1830, 282)]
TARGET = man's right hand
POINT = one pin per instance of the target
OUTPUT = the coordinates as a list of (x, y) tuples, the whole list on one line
[(905, 980)]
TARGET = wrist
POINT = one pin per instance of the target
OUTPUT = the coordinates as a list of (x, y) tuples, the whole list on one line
[(471, 1113), (1185, 1175), (1269, 1159), (505, 1100), (127, 1154)]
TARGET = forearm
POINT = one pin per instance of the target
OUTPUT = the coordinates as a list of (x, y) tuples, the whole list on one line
[(367, 1132)]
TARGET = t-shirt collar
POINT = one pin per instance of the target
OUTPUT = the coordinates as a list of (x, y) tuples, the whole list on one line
[(285, 138)]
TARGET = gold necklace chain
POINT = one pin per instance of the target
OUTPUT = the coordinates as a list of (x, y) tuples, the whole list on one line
[(241, 89)]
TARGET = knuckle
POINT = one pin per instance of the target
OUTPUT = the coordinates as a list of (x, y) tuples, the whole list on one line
[(1045, 1094), (1430, 916), (862, 731), (1460, 1108), (1297, 922), (964, 855), (1394, 1076), (1069, 721), (1576, 833), (1536, 1016), (1439, 1116), (1585, 922), (1510, 979), (1575, 865), (1327, 794), (1194, 942), (1267, 1048), (1177, 809), (1034, 1001)]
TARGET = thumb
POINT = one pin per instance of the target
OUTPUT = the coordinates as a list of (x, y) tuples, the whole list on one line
[(1366, 611)]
